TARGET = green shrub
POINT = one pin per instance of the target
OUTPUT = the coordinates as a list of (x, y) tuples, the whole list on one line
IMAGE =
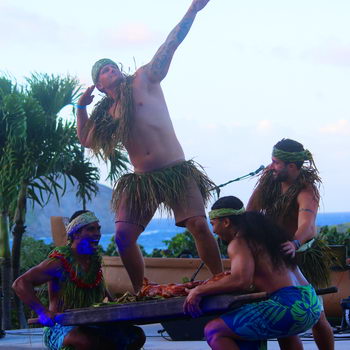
[(113, 251), (183, 245), (333, 237), (33, 252)]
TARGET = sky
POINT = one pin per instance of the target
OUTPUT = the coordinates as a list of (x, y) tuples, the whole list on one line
[(248, 74)]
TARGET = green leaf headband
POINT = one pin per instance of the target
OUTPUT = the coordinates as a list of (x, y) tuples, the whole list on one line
[(292, 156), (219, 213), (80, 221), (96, 68)]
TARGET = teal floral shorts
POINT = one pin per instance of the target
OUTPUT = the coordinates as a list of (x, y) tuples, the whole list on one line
[(288, 311)]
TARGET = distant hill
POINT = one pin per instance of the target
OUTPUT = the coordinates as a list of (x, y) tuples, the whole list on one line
[(38, 219)]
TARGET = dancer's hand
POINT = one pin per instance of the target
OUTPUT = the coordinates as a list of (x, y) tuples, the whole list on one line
[(86, 98), (47, 318), (191, 305), (288, 248)]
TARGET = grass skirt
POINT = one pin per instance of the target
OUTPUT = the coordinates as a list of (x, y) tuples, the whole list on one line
[(145, 192), (315, 262)]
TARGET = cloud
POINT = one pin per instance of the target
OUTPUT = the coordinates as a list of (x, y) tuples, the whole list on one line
[(128, 34), (136, 33), (330, 52), (340, 127), (26, 28), (227, 125), (281, 52), (264, 126)]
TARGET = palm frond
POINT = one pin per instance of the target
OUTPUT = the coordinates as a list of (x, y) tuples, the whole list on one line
[(118, 164), (53, 92)]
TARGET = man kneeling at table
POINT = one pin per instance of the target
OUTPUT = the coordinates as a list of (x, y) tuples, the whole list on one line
[(74, 276), (257, 261)]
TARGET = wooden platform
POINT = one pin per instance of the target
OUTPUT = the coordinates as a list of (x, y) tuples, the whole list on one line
[(155, 311)]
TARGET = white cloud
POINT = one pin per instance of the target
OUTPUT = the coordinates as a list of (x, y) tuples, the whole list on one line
[(26, 27), (264, 126), (340, 127), (136, 33), (330, 53), (131, 33)]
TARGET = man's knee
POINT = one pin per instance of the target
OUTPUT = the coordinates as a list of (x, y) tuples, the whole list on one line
[(211, 331), (216, 329), (126, 234), (80, 339), (322, 322)]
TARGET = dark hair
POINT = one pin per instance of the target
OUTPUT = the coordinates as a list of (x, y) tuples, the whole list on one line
[(258, 230), (228, 202), (289, 145), (77, 213)]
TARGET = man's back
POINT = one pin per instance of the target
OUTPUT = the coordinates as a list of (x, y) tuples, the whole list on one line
[(269, 277), (266, 275)]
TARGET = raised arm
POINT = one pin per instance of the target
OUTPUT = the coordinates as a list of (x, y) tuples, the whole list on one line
[(24, 288), (158, 68)]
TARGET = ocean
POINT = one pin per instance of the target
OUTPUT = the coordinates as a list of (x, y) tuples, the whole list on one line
[(159, 230)]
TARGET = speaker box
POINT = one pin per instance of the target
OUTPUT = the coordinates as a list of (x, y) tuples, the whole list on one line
[(193, 329), (189, 329)]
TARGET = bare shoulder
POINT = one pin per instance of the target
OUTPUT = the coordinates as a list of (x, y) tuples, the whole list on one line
[(144, 75), (308, 200), (141, 73), (46, 271), (50, 267), (308, 192), (237, 246), (252, 202), (51, 264), (140, 80)]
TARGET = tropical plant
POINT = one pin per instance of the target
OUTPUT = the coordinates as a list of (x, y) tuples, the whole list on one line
[(113, 251), (332, 236), (183, 245), (36, 149), (33, 252), (11, 169)]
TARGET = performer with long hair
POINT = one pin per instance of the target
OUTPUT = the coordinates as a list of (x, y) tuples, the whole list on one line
[(134, 115), (288, 192), (254, 249)]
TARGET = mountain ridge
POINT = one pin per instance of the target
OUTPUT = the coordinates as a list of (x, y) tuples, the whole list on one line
[(38, 219)]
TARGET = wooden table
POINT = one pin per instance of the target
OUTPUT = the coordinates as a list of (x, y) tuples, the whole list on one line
[(154, 311)]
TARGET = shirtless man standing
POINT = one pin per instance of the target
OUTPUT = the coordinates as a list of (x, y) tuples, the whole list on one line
[(256, 259), (288, 192), (134, 115)]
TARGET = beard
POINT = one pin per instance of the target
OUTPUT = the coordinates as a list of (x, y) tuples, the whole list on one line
[(281, 176)]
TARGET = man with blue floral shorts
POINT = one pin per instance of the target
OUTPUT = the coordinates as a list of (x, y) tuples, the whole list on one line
[(257, 262)]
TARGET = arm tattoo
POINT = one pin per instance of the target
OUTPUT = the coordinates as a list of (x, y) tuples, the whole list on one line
[(161, 61), (183, 28), (308, 210)]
